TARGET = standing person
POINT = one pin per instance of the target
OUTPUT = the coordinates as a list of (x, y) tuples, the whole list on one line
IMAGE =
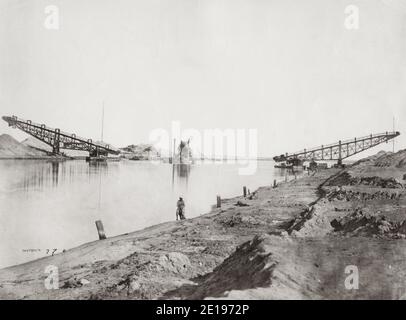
[(180, 209)]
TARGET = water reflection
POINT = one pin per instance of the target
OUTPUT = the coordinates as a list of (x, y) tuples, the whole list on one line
[(182, 173), (288, 173), (98, 167), (45, 174), (55, 173), (39, 175)]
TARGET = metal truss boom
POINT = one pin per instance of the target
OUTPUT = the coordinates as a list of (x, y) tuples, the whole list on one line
[(58, 139), (340, 150)]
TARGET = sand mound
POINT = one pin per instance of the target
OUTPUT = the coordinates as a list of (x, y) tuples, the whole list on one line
[(250, 266), (386, 159), (377, 182), (345, 179), (36, 144), (397, 160), (11, 148), (267, 267), (350, 195), (363, 223)]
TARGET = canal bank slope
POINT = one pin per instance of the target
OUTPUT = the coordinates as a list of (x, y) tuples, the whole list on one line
[(300, 240)]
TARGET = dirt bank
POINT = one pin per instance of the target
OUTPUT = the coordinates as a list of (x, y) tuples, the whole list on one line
[(293, 241)]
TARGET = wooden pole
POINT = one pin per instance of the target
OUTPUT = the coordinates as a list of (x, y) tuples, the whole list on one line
[(218, 202), (274, 183), (244, 191), (100, 230)]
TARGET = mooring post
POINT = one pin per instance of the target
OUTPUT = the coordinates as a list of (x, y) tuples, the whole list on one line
[(100, 230), (218, 202), (244, 191)]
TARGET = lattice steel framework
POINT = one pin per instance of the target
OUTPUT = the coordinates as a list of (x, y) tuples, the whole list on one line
[(340, 150), (58, 139)]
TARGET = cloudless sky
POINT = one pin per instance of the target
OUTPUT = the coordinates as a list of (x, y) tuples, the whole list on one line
[(290, 69)]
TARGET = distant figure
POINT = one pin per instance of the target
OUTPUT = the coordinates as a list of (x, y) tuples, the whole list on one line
[(180, 210)]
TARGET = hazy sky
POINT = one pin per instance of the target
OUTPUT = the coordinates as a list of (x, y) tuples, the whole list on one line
[(288, 68)]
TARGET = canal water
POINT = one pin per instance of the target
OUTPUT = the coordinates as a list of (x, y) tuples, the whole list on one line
[(46, 207)]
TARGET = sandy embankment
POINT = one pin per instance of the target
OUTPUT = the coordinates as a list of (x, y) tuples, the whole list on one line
[(294, 241)]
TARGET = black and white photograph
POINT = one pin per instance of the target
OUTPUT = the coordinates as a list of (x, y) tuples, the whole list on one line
[(209, 150)]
